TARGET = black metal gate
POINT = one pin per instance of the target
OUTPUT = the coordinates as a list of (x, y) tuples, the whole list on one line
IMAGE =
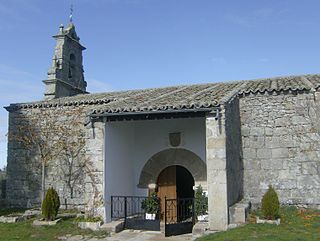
[(129, 208), (179, 216)]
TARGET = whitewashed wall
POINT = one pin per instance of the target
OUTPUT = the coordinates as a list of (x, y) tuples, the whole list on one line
[(130, 144)]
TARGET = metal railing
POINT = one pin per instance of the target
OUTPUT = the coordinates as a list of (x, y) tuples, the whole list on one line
[(126, 206)]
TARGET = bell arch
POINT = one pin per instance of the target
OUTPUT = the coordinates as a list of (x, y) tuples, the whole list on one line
[(169, 157)]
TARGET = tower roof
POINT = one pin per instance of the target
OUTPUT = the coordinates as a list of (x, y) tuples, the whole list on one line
[(69, 31)]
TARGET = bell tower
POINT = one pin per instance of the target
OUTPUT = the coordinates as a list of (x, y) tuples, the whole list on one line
[(65, 76)]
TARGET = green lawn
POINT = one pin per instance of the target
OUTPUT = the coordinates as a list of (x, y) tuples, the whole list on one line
[(295, 226), (25, 230), (7, 211)]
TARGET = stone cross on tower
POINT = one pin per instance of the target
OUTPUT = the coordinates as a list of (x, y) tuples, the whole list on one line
[(65, 76)]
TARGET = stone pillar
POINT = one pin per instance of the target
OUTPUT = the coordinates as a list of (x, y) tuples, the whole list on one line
[(216, 172), (95, 179)]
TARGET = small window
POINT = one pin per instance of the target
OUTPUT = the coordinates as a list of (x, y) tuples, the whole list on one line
[(72, 58)]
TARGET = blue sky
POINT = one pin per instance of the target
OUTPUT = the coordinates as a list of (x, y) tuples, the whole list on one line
[(151, 43)]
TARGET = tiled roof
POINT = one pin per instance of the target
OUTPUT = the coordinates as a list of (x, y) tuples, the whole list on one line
[(178, 97), (171, 98), (293, 83)]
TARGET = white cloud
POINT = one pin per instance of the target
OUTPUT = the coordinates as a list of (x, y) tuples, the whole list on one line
[(10, 70), (14, 91), (256, 17), (97, 86), (16, 11), (238, 20), (218, 60), (264, 60), (18, 85)]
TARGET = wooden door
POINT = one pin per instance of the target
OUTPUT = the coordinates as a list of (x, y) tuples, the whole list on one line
[(167, 188)]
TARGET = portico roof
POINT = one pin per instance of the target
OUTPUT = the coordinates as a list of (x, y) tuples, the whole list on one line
[(175, 98)]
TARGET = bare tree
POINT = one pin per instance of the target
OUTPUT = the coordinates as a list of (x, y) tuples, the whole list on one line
[(71, 150), (39, 133), (57, 136)]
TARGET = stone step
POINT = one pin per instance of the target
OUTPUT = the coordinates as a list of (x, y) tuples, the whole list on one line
[(114, 226), (238, 213)]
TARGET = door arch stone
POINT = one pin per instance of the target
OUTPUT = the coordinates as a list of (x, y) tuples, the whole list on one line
[(169, 157)]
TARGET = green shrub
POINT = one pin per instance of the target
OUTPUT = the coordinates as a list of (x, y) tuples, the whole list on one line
[(50, 204), (151, 204), (270, 204), (201, 202), (88, 219)]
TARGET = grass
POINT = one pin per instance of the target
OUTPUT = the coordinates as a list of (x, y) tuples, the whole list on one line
[(11, 211), (296, 225), (26, 231)]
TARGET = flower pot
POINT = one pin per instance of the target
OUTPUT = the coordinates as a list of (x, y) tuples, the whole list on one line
[(94, 226), (277, 221), (45, 223), (202, 218), (150, 216)]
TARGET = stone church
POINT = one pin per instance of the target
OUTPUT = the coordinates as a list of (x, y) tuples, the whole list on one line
[(232, 138)]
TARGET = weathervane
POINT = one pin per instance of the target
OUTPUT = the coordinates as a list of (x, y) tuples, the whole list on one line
[(71, 12)]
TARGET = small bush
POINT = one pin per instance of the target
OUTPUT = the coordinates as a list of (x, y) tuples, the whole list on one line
[(270, 204), (50, 204), (151, 204), (201, 202)]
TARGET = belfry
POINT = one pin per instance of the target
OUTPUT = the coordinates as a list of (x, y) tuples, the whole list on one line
[(65, 76)]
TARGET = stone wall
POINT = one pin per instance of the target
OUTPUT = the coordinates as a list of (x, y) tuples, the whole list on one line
[(281, 146), (23, 171), (233, 151), (85, 169)]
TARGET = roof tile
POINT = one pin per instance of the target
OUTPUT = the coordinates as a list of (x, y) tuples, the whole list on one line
[(178, 97)]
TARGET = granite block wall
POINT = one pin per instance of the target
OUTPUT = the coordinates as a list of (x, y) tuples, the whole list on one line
[(24, 162), (281, 146)]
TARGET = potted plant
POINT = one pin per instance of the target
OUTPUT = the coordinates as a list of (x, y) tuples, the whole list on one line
[(88, 222), (90, 219), (201, 204), (270, 207), (151, 206)]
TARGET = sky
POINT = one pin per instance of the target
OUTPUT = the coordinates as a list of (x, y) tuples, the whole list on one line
[(134, 44)]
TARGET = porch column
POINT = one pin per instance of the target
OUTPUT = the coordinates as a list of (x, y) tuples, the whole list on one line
[(95, 169), (216, 172)]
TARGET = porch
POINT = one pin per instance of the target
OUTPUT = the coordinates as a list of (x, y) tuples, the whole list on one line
[(137, 150)]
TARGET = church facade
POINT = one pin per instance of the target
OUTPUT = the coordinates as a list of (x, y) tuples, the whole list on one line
[(232, 138)]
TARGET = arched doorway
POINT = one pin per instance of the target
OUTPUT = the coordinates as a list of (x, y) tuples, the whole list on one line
[(169, 157), (174, 182)]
